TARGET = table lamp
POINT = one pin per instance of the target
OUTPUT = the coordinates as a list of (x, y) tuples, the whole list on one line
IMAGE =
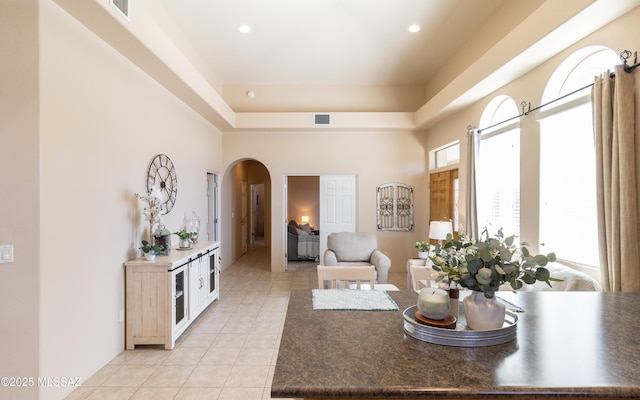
[(305, 219), (438, 230)]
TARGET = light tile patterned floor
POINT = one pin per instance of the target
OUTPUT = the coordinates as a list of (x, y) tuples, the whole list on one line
[(228, 353)]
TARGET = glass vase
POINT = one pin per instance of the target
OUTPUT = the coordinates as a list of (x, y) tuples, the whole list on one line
[(192, 226)]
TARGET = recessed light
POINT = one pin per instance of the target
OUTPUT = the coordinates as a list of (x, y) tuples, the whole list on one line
[(250, 94), (414, 28), (244, 28)]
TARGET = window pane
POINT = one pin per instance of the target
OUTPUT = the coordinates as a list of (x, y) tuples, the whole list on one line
[(448, 155), (583, 73), (568, 220), (456, 200), (498, 183)]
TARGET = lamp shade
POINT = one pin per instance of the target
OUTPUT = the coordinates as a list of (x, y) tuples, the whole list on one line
[(305, 219), (438, 230)]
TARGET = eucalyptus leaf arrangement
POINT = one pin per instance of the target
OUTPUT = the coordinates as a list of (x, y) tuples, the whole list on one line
[(422, 246), (488, 263)]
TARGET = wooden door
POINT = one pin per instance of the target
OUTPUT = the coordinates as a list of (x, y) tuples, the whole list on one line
[(443, 196)]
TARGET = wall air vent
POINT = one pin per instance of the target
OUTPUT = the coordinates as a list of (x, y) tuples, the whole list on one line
[(322, 119), (122, 6)]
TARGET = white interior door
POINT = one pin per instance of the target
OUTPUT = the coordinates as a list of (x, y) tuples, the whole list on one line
[(337, 206), (254, 215), (212, 206), (285, 197), (243, 218)]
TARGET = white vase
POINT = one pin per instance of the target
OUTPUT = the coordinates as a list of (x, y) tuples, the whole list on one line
[(184, 243), (483, 314), (149, 256), (423, 255)]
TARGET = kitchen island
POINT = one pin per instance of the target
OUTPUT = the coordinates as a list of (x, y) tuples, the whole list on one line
[(568, 345)]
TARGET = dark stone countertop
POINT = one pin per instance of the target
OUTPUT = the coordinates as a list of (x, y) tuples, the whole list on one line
[(569, 344)]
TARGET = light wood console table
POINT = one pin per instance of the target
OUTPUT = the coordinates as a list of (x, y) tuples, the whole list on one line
[(164, 296)]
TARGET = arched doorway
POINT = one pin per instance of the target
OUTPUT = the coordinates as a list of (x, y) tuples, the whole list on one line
[(246, 209)]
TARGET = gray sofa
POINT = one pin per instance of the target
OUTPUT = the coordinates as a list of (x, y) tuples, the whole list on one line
[(357, 248)]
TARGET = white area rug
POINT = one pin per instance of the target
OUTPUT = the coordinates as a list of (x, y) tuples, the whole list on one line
[(353, 300)]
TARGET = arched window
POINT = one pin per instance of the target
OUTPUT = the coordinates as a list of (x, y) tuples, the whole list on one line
[(498, 174), (568, 220)]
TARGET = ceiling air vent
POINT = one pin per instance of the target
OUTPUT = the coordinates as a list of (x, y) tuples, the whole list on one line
[(322, 119), (122, 6)]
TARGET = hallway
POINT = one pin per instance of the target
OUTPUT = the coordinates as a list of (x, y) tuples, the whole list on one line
[(228, 353)]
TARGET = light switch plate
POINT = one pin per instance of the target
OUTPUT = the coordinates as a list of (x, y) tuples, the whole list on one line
[(6, 253)]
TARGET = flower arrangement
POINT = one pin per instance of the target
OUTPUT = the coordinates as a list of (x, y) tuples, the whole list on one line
[(422, 246), (153, 209), (486, 264)]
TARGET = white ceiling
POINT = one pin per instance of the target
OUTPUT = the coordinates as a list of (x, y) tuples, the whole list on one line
[(328, 42), (300, 54), (341, 55)]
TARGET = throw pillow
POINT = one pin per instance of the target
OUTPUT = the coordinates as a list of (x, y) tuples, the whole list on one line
[(292, 229), (302, 232), (306, 228)]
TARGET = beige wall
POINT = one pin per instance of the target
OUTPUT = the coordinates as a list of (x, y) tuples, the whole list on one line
[(19, 199), (303, 198), (375, 157), (82, 130)]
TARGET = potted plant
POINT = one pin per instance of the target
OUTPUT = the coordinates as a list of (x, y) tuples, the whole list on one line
[(423, 249), (483, 266), (184, 238), (150, 250)]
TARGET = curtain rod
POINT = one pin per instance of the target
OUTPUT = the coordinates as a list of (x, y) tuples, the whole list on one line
[(624, 56)]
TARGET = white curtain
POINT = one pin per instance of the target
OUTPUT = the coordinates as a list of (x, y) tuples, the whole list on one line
[(473, 150), (618, 230)]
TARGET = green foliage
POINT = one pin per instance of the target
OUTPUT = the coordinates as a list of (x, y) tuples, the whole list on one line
[(183, 234), (486, 264), (422, 246), (148, 247)]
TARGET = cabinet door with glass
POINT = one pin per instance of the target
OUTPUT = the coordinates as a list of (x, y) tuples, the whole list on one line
[(179, 297), (214, 273)]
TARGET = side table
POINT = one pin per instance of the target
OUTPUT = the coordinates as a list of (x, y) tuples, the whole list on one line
[(420, 271)]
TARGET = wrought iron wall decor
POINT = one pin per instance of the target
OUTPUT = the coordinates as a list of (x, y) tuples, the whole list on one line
[(395, 207)]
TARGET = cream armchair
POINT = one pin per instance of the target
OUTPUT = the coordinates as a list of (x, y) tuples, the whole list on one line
[(356, 248)]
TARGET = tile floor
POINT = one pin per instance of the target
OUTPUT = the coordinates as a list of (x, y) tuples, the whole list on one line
[(229, 352)]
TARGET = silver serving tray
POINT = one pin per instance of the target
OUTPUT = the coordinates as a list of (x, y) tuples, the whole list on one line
[(462, 336)]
